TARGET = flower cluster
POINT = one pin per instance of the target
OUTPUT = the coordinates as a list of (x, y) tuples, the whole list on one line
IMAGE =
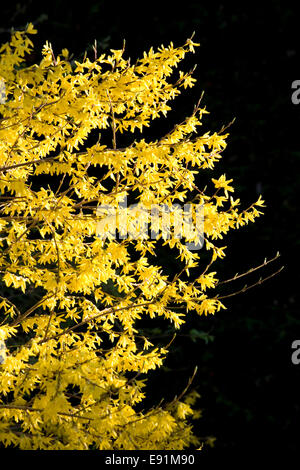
[(75, 363)]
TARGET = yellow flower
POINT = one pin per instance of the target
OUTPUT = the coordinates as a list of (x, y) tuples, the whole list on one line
[(223, 183)]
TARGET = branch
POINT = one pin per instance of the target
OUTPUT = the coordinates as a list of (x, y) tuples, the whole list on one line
[(114, 142), (11, 304), (245, 288), (226, 126), (39, 410), (237, 276), (31, 162), (19, 319), (176, 399), (101, 314)]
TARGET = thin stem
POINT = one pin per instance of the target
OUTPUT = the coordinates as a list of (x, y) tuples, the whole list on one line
[(246, 287), (237, 276)]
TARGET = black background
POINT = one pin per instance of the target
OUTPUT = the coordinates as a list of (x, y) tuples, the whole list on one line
[(248, 59)]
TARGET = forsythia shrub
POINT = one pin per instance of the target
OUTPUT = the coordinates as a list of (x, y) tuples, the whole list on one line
[(72, 374)]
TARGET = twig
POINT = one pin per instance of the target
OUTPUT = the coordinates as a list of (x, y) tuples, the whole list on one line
[(27, 408), (19, 319), (226, 126), (114, 142), (176, 399), (11, 304), (246, 287), (101, 314), (237, 276)]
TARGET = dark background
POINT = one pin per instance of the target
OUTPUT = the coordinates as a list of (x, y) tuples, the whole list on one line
[(248, 59)]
